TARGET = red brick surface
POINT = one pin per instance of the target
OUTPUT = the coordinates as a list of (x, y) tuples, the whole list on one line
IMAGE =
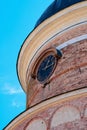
[(75, 125), (70, 74), (46, 114)]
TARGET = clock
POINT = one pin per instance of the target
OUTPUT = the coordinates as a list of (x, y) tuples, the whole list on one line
[(46, 68), (45, 65)]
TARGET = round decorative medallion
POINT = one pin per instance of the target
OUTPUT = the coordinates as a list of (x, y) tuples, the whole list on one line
[(45, 65)]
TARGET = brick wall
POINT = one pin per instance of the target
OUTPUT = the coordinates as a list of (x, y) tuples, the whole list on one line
[(71, 71)]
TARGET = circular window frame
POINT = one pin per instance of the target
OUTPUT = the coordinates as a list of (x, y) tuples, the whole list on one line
[(40, 59)]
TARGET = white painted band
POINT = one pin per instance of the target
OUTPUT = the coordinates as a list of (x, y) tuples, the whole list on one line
[(72, 41)]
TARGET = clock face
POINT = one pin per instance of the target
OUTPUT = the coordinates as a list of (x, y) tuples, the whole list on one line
[(46, 68)]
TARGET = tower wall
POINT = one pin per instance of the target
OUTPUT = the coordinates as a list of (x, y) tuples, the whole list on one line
[(60, 102), (71, 70)]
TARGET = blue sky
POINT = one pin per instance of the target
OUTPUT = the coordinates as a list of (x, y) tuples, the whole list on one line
[(17, 19)]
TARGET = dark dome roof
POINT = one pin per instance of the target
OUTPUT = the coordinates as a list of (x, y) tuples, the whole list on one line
[(55, 7)]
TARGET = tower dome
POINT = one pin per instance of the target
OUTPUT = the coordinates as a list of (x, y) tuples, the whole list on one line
[(55, 7)]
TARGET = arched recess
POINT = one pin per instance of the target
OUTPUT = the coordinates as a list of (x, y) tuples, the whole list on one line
[(36, 124), (65, 114)]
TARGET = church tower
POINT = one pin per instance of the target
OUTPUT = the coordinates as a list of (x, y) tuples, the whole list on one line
[(52, 69)]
